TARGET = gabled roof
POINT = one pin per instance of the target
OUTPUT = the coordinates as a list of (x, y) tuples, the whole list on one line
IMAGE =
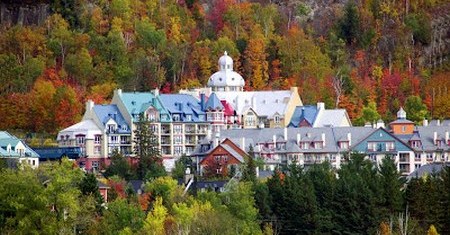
[(213, 103), (137, 102), (307, 112), (427, 137), (380, 135), (332, 117), (87, 127), (107, 112), (233, 152), (6, 139)]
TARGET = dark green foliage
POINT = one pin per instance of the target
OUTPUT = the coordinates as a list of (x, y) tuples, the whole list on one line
[(147, 150), (180, 167), (89, 187), (119, 166), (67, 9), (120, 215), (349, 26), (249, 169), (420, 25)]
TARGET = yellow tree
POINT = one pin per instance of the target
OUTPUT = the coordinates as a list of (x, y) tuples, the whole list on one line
[(154, 223), (256, 64)]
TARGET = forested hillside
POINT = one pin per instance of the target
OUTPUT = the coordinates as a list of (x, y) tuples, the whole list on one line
[(370, 57)]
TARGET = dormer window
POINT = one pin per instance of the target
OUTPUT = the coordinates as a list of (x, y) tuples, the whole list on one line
[(344, 145), (415, 144), (176, 117), (277, 119), (111, 128), (390, 146), (188, 117), (318, 145)]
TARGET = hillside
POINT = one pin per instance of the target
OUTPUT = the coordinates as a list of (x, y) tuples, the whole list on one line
[(370, 57)]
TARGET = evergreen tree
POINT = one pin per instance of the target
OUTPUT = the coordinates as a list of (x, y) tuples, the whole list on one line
[(119, 166), (146, 148), (89, 187), (390, 185), (249, 170)]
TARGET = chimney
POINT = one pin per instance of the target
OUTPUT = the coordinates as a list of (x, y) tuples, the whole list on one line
[(216, 140), (89, 105), (156, 92), (118, 92), (243, 143), (320, 105), (285, 134), (380, 124), (323, 139), (349, 137), (202, 101), (434, 137), (254, 102), (299, 138), (294, 89), (438, 122), (425, 122), (274, 138), (446, 137)]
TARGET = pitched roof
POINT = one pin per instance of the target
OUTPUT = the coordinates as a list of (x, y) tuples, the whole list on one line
[(233, 152), (307, 112), (182, 104), (213, 103), (138, 102), (6, 139), (107, 112), (428, 169), (331, 117), (427, 137)]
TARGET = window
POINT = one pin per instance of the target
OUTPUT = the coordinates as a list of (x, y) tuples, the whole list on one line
[(318, 145), (225, 158), (403, 128), (201, 117), (176, 117), (114, 139), (177, 129), (343, 144), (371, 146), (111, 128), (417, 157), (390, 146), (124, 140), (154, 128), (124, 128), (188, 117), (151, 117), (178, 150), (178, 139), (277, 119), (97, 149), (95, 165), (97, 139), (304, 145), (429, 156), (373, 157), (250, 120), (80, 139), (415, 144)]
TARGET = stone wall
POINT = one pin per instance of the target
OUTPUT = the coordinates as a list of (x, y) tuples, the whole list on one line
[(23, 13)]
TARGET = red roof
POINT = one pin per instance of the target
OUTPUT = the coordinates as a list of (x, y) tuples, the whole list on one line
[(228, 109)]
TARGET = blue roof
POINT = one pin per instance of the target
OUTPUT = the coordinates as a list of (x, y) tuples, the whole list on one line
[(182, 104), (110, 111), (138, 102), (307, 112), (213, 103)]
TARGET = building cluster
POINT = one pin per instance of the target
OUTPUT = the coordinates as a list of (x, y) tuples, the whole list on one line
[(219, 124), (14, 151)]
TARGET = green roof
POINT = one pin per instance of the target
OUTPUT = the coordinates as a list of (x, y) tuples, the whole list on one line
[(137, 102)]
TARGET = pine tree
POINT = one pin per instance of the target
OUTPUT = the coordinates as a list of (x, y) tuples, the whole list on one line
[(249, 171), (146, 147)]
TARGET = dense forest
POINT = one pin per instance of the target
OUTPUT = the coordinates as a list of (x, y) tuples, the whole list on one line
[(370, 57), (359, 198)]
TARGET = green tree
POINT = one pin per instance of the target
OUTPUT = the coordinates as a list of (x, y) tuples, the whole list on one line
[(122, 215), (119, 166), (369, 114), (391, 185), (249, 169), (146, 147), (349, 25), (416, 110), (89, 187)]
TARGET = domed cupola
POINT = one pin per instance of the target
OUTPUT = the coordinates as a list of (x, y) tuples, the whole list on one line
[(226, 79), (225, 62)]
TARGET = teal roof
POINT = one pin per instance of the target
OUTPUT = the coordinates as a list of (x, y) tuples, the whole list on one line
[(6, 138), (138, 102), (380, 137), (213, 103)]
